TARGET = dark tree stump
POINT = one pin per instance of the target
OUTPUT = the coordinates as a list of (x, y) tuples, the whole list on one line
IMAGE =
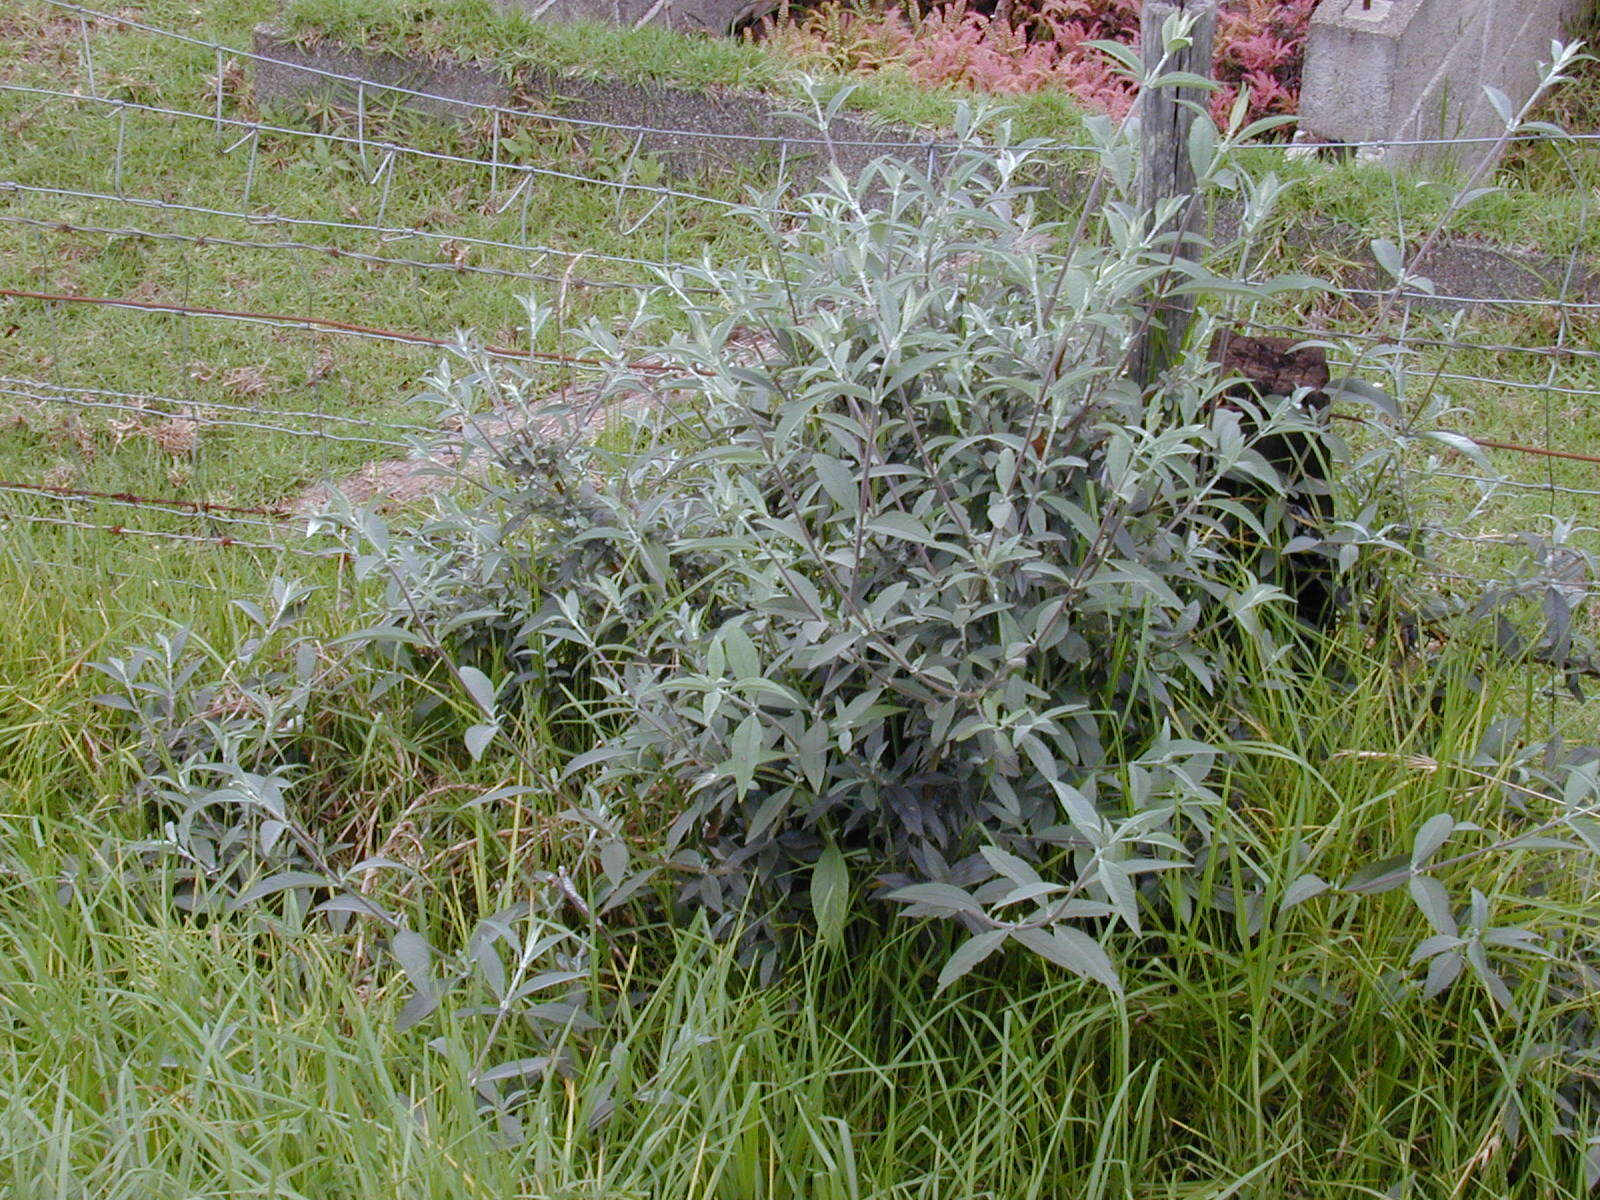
[(1273, 366), (1265, 367)]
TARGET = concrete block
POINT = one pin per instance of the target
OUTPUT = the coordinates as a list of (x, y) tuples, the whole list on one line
[(1414, 70)]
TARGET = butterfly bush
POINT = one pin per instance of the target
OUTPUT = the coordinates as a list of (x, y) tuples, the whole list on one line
[(1033, 45)]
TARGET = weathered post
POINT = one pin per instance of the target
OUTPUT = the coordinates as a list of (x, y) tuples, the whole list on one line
[(1165, 170)]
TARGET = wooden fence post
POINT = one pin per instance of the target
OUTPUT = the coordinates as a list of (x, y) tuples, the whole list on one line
[(1165, 170)]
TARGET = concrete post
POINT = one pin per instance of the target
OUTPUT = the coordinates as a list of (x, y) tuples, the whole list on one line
[(1412, 72)]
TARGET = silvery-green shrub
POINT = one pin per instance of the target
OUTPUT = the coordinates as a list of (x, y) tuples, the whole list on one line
[(886, 574)]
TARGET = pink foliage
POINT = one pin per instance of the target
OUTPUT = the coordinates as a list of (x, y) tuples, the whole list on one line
[(955, 44), (1261, 43), (1030, 45)]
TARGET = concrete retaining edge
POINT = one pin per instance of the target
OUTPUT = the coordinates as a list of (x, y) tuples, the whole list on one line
[(685, 123)]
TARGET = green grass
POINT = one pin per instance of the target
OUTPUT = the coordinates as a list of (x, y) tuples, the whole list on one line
[(1541, 196), (146, 1054), (1542, 202), (480, 31)]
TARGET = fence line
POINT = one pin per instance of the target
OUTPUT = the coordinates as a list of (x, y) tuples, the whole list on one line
[(43, 391), (316, 324), (342, 327), (17, 385), (222, 512), (331, 325), (555, 118), (13, 515), (1522, 484), (331, 251), (61, 393), (1562, 352), (131, 502), (1465, 301)]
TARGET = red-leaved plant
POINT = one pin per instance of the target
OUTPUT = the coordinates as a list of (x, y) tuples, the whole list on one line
[(1031, 45), (1261, 44)]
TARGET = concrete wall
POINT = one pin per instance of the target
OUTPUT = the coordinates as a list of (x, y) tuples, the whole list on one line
[(1406, 70)]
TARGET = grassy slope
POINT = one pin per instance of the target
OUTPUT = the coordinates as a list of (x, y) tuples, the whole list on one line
[(145, 1055), (60, 144), (329, 181)]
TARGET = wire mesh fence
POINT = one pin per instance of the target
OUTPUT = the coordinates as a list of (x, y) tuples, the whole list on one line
[(209, 306)]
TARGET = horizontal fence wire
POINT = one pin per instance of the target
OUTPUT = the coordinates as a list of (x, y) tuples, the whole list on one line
[(385, 233), (1529, 485), (209, 411), (237, 514), (324, 324), (1413, 341), (1436, 297), (317, 248), (329, 325), (15, 515)]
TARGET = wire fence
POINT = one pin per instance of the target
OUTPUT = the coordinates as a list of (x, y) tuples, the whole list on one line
[(150, 399)]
